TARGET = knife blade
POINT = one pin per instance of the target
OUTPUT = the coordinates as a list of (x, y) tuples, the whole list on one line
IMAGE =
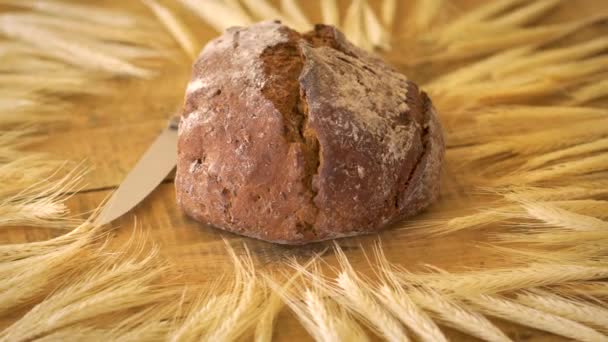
[(156, 163)]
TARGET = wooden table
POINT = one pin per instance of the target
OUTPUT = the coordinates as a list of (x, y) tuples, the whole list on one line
[(112, 132)]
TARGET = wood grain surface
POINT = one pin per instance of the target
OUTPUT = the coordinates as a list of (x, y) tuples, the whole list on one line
[(110, 133)]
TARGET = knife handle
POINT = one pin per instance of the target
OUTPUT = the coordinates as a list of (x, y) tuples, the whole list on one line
[(174, 122)]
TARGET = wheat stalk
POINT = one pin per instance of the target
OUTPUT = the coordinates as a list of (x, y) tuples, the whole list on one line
[(353, 23), (90, 13), (526, 14), (376, 33), (263, 10), (590, 92), (296, 15), (217, 14), (552, 56), (475, 17), (71, 53), (180, 32), (389, 8), (330, 12)]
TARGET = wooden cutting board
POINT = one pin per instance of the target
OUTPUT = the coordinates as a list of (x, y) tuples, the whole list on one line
[(112, 132)]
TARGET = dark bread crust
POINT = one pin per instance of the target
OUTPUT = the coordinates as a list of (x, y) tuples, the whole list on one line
[(296, 138)]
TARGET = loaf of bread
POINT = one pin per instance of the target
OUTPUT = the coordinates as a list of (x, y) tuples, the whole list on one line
[(294, 138)]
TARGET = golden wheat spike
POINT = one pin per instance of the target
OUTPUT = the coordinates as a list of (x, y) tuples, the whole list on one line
[(521, 314), (320, 315), (118, 283), (457, 316), (559, 193), (408, 312), (576, 310), (560, 171), (574, 151), (493, 281), (558, 217), (355, 294), (539, 142)]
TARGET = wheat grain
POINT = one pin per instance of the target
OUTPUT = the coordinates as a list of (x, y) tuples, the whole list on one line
[(521, 314)]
